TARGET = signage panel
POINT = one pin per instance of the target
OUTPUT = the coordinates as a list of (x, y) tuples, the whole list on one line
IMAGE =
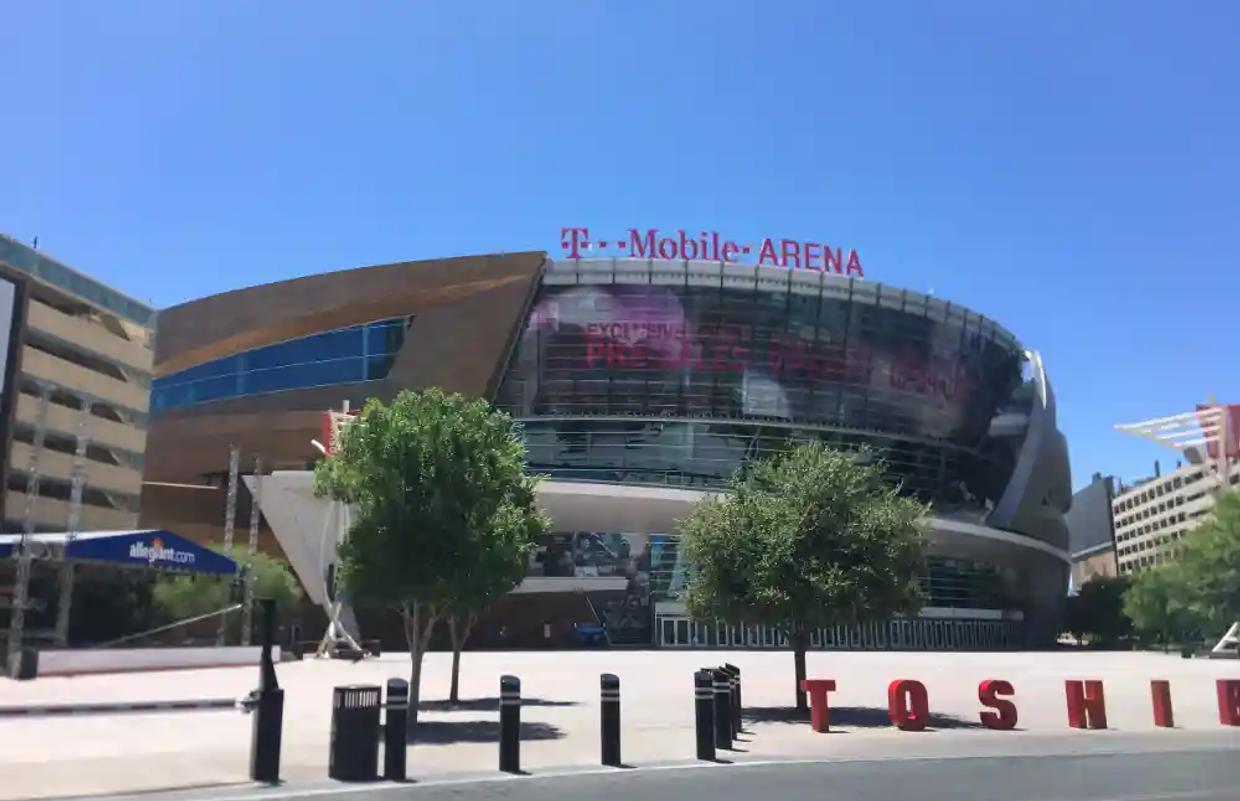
[(652, 243)]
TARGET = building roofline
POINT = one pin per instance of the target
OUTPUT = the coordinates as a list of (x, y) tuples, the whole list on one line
[(328, 275), (39, 255)]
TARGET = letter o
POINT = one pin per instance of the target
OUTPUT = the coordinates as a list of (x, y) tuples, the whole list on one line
[(908, 704)]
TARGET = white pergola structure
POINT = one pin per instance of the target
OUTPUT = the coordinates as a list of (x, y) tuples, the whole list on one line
[(1208, 435), (1203, 435)]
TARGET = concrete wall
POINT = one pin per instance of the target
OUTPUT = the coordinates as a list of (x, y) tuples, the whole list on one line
[(126, 660)]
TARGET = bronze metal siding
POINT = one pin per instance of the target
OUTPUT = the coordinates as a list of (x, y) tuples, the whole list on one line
[(219, 325), (467, 313)]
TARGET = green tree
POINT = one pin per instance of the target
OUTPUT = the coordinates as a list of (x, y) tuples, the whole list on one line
[(1158, 603), (503, 554), (810, 538), (178, 597), (1210, 564), (1096, 612), (431, 479)]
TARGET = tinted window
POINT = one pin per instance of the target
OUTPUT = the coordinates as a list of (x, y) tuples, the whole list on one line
[(743, 372), (345, 355)]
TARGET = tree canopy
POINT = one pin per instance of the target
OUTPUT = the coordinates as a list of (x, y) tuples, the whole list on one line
[(1096, 611), (1199, 593), (443, 513), (813, 537), (1157, 604), (1210, 567), (501, 560), (181, 596)]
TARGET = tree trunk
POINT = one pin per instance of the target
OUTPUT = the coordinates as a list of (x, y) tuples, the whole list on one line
[(797, 641), (419, 623), (459, 630), (454, 693)]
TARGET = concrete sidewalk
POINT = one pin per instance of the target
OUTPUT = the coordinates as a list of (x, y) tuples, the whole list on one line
[(127, 753)]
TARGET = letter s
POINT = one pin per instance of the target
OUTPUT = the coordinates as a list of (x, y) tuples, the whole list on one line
[(988, 692)]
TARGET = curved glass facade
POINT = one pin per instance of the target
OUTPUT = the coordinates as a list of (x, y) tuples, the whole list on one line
[(341, 356), (680, 377)]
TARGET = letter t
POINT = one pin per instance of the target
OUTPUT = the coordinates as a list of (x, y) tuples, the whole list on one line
[(573, 239)]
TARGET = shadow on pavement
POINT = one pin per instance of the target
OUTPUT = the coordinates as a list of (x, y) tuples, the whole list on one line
[(477, 731), (490, 704), (861, 717)]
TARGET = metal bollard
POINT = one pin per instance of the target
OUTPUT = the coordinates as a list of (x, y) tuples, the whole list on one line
[(734, 685), (265, 738), (268, 707), (26, 665), (737, 701), (510, 724), (609, 687), (395, 720), (723, 708), (293, 637), (704, 706)]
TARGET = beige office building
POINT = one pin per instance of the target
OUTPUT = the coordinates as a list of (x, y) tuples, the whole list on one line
[(1153, 517), (77, 376)]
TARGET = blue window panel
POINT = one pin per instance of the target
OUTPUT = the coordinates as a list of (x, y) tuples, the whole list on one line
[(379, 366), (384, 337), (211, 369), (183, 394), (346, 355), (319, 347), (337, 371)]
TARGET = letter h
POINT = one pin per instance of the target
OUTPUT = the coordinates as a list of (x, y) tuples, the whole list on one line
[(1087, 707)]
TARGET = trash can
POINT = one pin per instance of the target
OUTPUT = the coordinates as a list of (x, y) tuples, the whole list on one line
[(354, 755)]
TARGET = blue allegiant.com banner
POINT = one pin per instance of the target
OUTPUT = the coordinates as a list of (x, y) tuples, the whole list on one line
[(156, 548)]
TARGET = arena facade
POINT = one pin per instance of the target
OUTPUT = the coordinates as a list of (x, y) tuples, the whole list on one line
[(641, 385)]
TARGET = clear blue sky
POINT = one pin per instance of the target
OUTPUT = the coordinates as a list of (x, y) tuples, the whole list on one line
[(1070, 169)]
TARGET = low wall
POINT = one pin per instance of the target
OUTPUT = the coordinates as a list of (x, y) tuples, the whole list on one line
[(126, 660)]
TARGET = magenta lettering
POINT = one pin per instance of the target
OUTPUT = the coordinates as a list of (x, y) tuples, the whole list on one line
[(766, 254), (811, 250), (688, 246), (573, 239), (641, 247), (854, 264), (791, 256), (710, 246), (832, 259)]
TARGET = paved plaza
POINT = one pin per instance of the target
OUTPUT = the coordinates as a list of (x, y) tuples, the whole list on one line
[(124, 753)]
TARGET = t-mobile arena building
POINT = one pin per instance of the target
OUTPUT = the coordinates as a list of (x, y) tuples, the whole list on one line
[(644, 369)]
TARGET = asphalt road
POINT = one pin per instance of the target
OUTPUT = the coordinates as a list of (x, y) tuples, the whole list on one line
[(1197, 775)]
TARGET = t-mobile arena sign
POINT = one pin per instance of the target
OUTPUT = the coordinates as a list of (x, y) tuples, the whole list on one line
[(647, 243)]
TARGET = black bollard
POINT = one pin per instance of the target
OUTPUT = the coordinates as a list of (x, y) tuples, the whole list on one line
[(734, 673), (268, 707), (723, 708), (704, 706), (294, 640), (740, 704), (510, 724), (609, 686), (394, 722)]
